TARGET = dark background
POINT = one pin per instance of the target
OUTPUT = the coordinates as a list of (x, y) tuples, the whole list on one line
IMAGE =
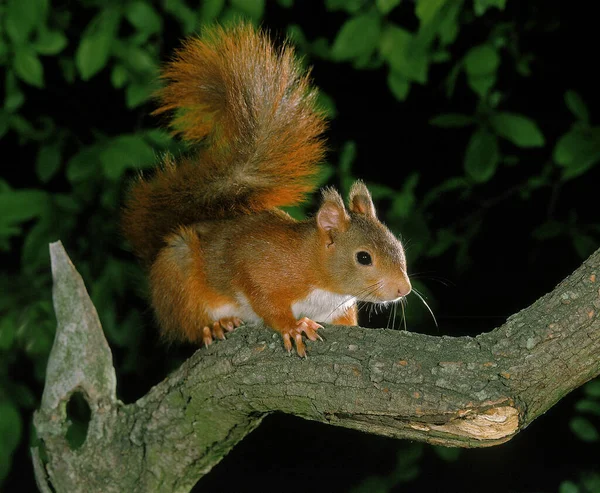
[(508, 266)]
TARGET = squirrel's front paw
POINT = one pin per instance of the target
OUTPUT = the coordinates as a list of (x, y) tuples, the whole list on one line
[(217, 328), (305, 325)]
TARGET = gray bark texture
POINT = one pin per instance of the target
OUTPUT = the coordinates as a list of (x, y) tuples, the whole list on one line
[(454, 391)]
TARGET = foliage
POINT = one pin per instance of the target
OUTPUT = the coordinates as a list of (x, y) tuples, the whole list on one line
[(73, 56)]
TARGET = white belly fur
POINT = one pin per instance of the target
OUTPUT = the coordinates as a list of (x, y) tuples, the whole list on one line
[(320, 305)]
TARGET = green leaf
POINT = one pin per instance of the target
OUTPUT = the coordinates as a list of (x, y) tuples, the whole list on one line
[(123, 152), (481, 157), (588, 406), (252, 8), (449, 25), (403, 203), (28, 67), (326, 104), (185, 15), (96, 43), (590, 482), (137, 94), (481, 6), (143, 16), (136, 59), (449, 454), (482, 60), (10, 427), (577, 106), (326, 171), (159, 138), (481, 64), (518, 129), (441, 56), (8, 331), (297, 37), (405, 56), (22, 205), (592, 388), (399, 85), (357, 38), (584, 429), (452, 120), (379, 191), (119, 76), (347, 157), (50, 42), (210, 10), (14, 97), (83, 165), (426, 10), (386, 6), (577, 151), (34, 253), (568, 487), (481, 84), (48, 161), (22, 17)]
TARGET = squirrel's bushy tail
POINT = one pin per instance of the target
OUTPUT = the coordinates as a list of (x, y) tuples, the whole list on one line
[(252, 107)]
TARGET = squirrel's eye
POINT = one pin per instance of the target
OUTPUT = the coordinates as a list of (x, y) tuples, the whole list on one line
[(364, 258)]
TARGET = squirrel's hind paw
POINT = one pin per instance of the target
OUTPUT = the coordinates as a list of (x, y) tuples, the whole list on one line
[(227, 324)]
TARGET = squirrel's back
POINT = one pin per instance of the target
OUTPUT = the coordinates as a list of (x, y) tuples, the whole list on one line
[(252, 112)]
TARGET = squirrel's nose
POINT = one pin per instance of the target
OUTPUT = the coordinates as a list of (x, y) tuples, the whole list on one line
[(404, 288)]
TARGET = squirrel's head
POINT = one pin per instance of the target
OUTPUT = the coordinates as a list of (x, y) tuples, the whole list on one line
[(363, 258)]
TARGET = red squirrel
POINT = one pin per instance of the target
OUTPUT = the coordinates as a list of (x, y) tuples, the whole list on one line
[(209, 227)]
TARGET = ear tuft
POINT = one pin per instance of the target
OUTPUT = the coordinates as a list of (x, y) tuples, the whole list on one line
[(360, 200), (332, 214)]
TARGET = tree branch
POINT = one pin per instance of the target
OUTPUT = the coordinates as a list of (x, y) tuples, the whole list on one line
[(456, 391)]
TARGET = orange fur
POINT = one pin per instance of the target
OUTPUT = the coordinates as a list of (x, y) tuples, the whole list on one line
[(348, 318), (177, 279), (255, 113), (208, 226)]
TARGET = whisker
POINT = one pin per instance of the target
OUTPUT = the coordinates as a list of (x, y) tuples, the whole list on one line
[(339, 305), (403, 312), (442, 280), (426, 305), (365, 292), (390, 319)]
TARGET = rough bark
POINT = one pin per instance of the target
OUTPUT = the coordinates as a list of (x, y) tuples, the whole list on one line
[(454, 391)]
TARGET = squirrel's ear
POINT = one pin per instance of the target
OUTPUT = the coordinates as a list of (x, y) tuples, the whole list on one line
[(332, 214), (360, 200)]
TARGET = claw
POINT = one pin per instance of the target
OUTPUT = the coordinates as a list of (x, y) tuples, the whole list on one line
[(300, 348), (306, 326), (218, 331), (217, 328), (287, 342), (206, 336)]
